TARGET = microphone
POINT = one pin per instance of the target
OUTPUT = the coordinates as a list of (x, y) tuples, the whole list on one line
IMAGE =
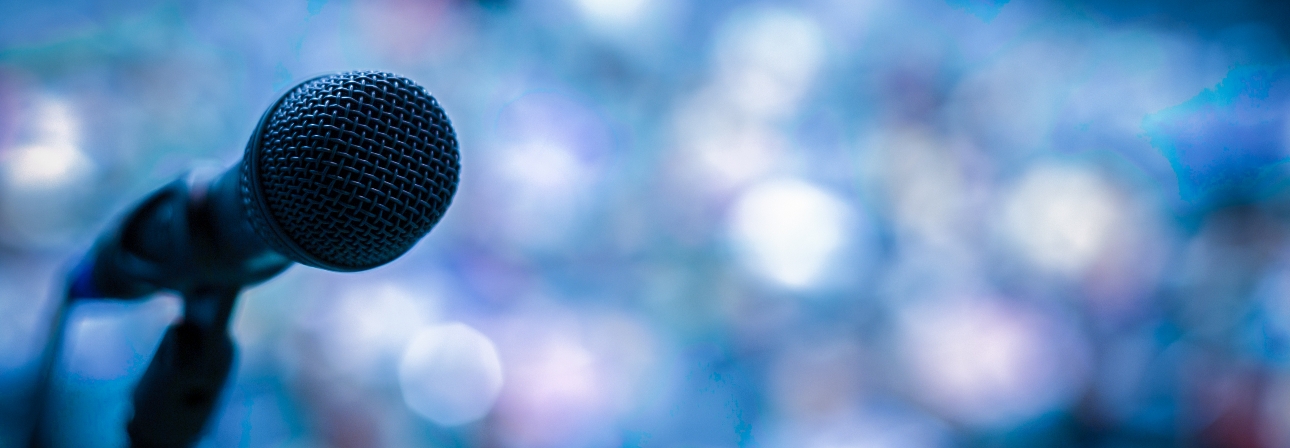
[(345, 172)]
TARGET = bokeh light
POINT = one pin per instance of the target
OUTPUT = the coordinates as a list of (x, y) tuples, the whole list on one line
[(47, 180), (364, 332), (790, 231), (1061, 218), (450, 374), (612, 13), (983, 362), (766, 59)]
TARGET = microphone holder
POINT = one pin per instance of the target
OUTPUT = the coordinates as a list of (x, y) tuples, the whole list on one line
[(183, 238), (176, 396)]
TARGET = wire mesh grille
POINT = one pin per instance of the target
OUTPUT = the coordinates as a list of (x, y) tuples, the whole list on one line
[(351, 169)]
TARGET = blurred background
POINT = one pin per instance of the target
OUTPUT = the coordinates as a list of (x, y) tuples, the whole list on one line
[(814, 223)]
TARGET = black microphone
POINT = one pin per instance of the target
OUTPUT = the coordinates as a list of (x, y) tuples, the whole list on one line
[(345, 172)]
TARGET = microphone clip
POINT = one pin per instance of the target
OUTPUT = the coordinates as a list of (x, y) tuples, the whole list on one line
[(177, 394)]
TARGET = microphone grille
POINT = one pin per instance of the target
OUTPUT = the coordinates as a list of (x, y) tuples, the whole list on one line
[(348, 171)]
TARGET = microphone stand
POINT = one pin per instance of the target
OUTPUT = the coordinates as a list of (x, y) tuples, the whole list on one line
[(177, 394), (178, 239)]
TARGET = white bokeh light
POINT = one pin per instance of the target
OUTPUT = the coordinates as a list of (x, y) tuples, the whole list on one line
[(450, 374), (45, 166), (52, 158), (366, 330), (547, 168), (988, 364), (766, 58), (45, 179), (790, 231), (1061, 218), (612, 13)]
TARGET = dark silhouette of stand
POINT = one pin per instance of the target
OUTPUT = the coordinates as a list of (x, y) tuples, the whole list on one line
[(176, 396), (172, 241)]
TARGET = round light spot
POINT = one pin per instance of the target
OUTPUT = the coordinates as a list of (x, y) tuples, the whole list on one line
[(992, 365), (1061, 218), (368, 327), (450, 374), (610, 13), (767, 57), (46, 180), (790, 231)]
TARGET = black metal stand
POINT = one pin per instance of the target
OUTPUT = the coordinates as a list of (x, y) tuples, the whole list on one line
[(176, 397), (179, 239), (177, 394)]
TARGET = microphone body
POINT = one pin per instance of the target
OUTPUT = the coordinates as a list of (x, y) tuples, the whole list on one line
[(344, 172)]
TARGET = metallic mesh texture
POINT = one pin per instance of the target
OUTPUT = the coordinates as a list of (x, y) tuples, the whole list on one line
[(348, 171)]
